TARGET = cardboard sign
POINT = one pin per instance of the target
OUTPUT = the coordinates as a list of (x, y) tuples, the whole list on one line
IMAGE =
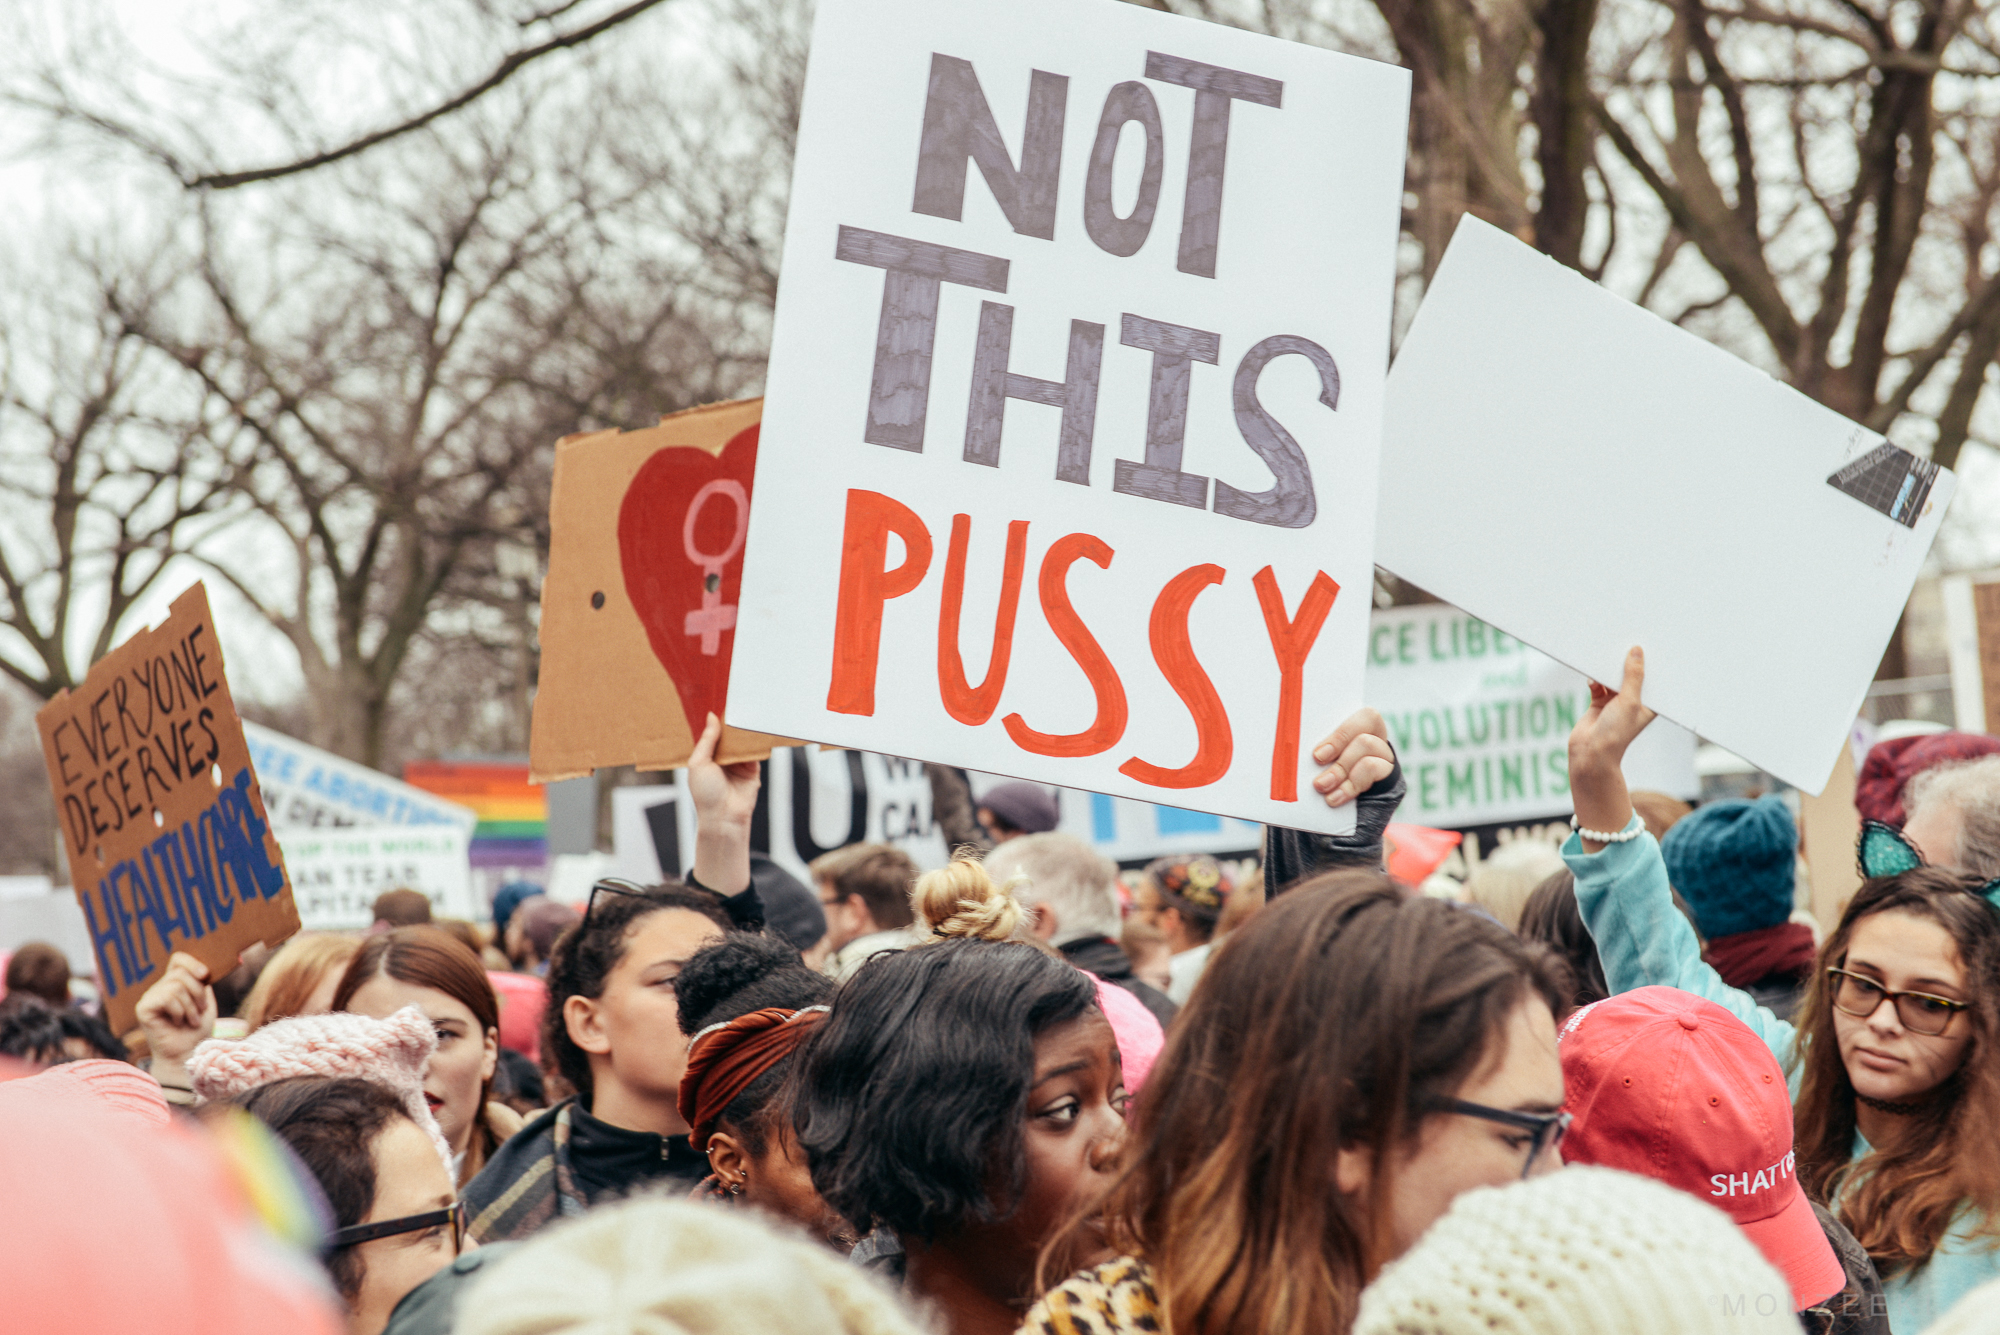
[(1829, 831), (1579, 472), (306, 788), (647, 534), (337, 873), (169, 845), (1481, 721), (1074, 399), (1972, 638)]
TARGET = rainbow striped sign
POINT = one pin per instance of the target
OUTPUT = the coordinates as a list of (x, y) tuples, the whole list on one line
[(513, 813)]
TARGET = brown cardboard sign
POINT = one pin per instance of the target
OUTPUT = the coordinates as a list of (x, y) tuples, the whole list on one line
[(646, 536), (169, 846)]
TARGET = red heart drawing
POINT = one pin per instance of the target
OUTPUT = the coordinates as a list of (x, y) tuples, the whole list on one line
[(681, 528)]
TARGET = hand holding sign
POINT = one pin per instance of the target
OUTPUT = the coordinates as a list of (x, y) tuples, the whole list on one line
[(1357, 756), (177, 1013), (1597, 751)]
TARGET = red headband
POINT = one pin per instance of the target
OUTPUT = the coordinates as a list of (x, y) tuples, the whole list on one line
[(725, 1059)]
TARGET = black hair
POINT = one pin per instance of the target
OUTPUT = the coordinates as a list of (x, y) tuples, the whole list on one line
[(585, 954), (32, 1030), (912, 1095), (1552, 918), (332, 1124), (36, 1031), (745, 972)]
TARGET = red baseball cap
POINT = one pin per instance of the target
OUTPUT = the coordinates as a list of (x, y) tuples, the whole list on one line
[(1673, 1087)]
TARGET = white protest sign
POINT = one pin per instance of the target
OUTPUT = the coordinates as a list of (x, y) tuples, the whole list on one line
[(336, 873), (307, 788), (814, 801), (1585, 475), (1481, 722), (1074, 400)]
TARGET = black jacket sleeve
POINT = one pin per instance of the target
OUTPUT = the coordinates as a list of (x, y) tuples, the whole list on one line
[(1290, 856), (746, 910)]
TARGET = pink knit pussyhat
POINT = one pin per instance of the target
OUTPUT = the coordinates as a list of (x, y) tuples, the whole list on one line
[(391, 1052)]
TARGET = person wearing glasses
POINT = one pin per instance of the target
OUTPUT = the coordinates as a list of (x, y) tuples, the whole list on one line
[(1894, 1061), (1353, 1060), (612, 1026), (396, 1218)]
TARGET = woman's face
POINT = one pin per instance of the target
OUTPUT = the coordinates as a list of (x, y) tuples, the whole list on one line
[(410, 1179), (778, 1180), (1454, 1152), (1902, 952), (465, 1056), (1076, 1124), (635, 1025)]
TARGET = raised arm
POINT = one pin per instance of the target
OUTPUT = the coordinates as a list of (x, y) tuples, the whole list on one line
[(1360, 767), (725, 797), (1621, 887)]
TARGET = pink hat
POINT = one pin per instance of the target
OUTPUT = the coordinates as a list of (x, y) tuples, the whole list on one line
[(119, 1086), (1673, 1087), (392, 1052), (88, 1180), (1137, 1033)]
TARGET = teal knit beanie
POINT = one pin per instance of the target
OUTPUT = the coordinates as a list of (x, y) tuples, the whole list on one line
[(1732, 862)]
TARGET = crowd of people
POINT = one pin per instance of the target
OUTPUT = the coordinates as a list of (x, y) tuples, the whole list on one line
[(1627, 1087)]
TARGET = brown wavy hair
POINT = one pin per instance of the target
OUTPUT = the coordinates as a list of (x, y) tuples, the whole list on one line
[(431, 957), (1900, 1200), (293, 974), (1329, 1020)]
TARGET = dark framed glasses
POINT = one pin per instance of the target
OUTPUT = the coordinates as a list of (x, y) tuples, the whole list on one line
[(1547, 1129), (1920, 1012), (612, 885), (453, 1214)]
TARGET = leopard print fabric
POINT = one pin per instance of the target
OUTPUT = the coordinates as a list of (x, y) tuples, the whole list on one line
[(1116, 1298)]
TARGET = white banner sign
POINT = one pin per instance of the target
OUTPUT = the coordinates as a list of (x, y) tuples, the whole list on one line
[(306, 788), (853, 796), (1068, 455), (1481, 722), (336, 874)]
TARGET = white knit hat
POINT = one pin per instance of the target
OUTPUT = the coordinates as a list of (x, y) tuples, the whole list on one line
[(1577, 1252), (654, 1266), (1977, 1313)]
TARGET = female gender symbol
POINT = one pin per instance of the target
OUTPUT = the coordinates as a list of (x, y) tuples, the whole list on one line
[(714, 616)]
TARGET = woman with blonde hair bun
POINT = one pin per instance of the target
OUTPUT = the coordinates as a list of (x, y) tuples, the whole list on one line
[(959, 901)]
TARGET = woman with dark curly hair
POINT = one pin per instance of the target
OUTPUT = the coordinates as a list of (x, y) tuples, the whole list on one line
[(962, 1100)]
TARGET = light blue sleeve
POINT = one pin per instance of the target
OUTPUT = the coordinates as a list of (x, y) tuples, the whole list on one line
[(1643, 941), (1962, 1263)]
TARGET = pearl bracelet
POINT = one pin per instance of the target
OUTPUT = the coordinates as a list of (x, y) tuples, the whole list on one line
[(1633, 829)]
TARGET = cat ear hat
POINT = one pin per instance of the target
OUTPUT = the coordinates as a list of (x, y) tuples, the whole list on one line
[(393, 1053)]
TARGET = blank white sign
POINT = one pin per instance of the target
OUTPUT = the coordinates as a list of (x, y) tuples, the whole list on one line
[(1587, 477)]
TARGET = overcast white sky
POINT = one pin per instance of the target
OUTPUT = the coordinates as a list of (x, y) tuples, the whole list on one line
[(51, 200)]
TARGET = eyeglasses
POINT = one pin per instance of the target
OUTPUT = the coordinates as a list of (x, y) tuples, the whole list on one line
[(1920, 1012), (615, 885), (453, 1214), (1547, 1129)]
